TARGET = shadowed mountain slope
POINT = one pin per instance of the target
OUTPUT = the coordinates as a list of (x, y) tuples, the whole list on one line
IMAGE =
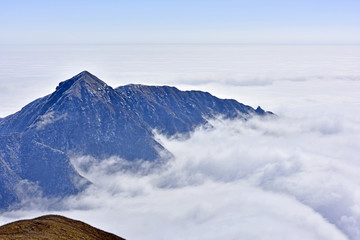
[(53, 227)]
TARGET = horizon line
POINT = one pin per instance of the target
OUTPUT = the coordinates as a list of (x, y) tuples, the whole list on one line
[(188, 43)]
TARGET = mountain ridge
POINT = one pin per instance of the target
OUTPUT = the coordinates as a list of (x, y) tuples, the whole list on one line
[(86, 117)]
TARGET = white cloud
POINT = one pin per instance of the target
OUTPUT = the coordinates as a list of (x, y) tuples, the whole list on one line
[(254, 179), (48, 118)]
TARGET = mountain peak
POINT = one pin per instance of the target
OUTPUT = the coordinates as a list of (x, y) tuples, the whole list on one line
[(83, 80), (82, 86), (84, 76)]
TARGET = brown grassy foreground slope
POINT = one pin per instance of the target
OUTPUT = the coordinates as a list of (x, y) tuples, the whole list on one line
[(53, 227)]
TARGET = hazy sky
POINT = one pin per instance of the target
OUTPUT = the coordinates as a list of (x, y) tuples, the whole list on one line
[(186, 21)]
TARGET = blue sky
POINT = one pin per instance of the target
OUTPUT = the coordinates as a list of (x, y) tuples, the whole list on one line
[(141, 21)]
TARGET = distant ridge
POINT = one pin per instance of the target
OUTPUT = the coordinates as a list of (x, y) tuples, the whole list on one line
[(53, 227), (86, 117)]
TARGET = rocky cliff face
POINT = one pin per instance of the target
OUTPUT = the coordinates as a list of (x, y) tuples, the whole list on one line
[(85, 116)]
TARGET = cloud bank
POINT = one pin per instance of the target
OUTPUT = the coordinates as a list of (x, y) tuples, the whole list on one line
[(277, 178)]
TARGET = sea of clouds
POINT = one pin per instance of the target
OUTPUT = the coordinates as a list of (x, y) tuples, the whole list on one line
[(295, 176)]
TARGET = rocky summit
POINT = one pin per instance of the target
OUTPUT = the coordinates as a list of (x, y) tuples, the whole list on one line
[(85, 116)]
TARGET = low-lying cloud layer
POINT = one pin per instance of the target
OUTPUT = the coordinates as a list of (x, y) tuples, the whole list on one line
[(284, 178)]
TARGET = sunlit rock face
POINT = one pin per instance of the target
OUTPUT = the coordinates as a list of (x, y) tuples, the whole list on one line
[(85, 116)]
